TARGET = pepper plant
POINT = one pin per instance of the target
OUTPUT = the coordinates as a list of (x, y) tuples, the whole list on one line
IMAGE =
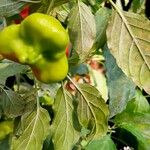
[(74, 75)]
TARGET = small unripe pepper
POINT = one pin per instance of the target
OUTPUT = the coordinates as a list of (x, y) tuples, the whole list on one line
[(40, 42), (6, 127)]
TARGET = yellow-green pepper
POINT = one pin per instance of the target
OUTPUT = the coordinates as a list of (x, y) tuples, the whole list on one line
[(6, 127), (40, 42), (46, 99)]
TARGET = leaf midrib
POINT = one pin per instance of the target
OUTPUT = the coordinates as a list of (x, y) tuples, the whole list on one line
[(130, 32)]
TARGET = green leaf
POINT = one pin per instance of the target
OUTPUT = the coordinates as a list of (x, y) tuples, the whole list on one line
[(104, 143), (82, 29), (138, 125), (80, 69), (4, 144), (74, 59), (48, 5), (60, 2), (94, 2), (102, 17), (11, 103), (62, 12), (100, 1), (137, 5), (121, 89), (64, 135), (129, 42), (35, 129), (50, 88), (92, 110), (10, 7), (30, 100), (98, 80), (9, 69), (136, 120), (138, 104), (48, 145)]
